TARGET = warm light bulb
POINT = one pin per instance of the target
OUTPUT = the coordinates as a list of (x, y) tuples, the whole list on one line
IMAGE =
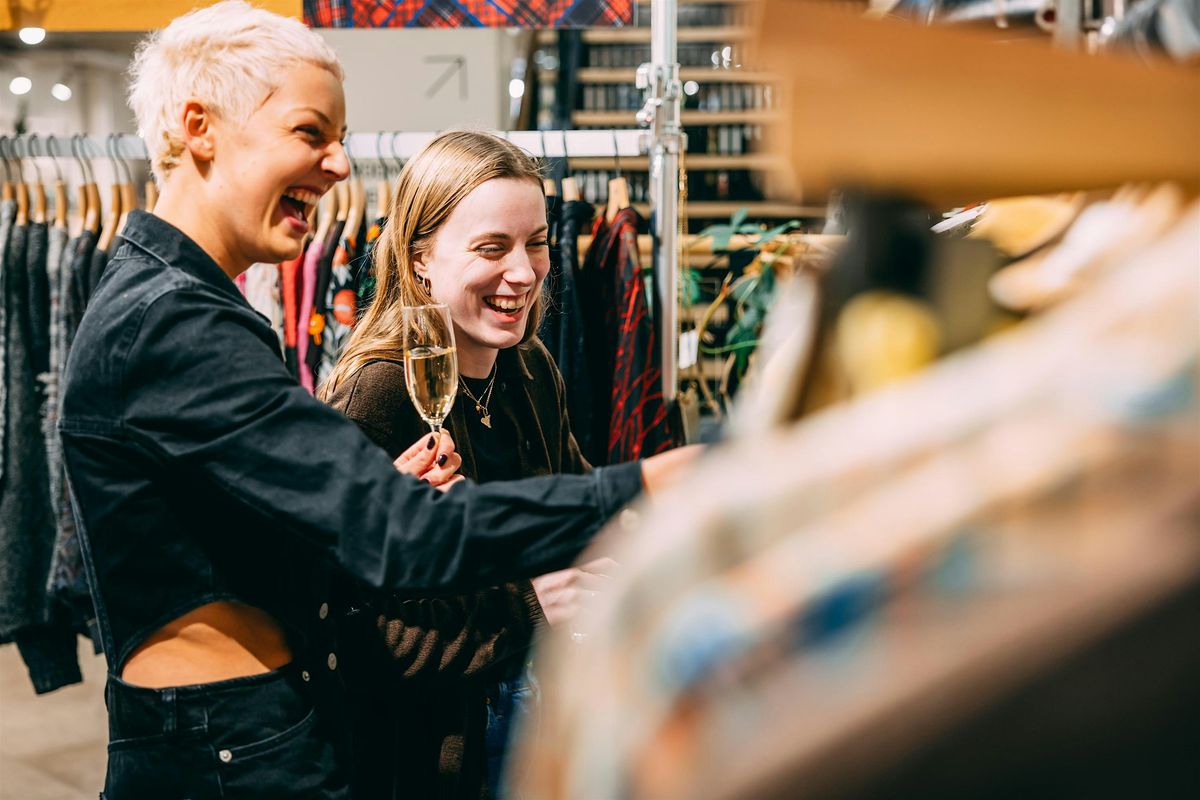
[(20, 85), (32, 35), (516, 88), (61, 92)]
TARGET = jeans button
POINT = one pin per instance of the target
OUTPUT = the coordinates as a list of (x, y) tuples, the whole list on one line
[(332, 661), (323, 612), (225, 756)]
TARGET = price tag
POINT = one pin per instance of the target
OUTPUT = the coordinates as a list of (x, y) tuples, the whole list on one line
[(689, 349)]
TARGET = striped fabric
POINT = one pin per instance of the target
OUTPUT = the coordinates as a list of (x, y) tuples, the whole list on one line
[(469, 13)]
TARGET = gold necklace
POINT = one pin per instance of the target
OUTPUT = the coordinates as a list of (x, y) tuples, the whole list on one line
[(481, 405)]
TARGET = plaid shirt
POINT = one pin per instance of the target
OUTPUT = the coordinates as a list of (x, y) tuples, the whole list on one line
[(468, 13)]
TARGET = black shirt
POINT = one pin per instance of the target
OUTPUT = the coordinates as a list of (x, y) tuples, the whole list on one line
[(495, 446), (202, 471)]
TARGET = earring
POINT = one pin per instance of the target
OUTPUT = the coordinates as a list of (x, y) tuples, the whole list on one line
[(423, 281)]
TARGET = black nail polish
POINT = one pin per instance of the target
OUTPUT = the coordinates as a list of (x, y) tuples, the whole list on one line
[(432, 442), (442, 459)]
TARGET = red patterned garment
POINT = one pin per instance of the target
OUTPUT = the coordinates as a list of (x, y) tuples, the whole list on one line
[(630, 418), (469, 13)]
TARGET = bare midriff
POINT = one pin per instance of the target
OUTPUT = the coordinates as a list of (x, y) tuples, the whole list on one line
[(214, 642)]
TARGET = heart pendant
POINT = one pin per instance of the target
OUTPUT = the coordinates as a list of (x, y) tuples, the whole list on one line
[(486, 419)]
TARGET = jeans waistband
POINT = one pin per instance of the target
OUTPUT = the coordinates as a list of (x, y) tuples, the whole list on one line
[(138, 711)]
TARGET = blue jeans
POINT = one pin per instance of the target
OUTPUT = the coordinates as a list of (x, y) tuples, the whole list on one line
[(512, 705), (255, 737)]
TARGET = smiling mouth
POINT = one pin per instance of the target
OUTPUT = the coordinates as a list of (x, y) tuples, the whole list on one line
[(505, 305), (298, 203)]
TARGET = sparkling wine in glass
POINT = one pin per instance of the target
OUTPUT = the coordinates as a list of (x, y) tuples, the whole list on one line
[(430, 362)]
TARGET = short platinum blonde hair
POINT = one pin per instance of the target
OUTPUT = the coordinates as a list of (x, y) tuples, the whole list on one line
[(230, 56)]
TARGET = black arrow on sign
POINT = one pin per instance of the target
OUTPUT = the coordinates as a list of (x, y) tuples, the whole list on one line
[(457, 64)]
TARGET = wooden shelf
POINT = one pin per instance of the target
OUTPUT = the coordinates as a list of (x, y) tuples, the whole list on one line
[(626, 119), (724, 34), (724, 209), (702, 75), (693, 163)]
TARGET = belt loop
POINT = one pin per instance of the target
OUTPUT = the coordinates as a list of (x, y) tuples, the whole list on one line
[(169, 716)]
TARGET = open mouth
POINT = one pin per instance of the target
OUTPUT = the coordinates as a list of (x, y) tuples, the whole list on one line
[(505, 304), (297, 204)]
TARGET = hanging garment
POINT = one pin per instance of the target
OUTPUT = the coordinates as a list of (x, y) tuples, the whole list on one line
[(630, 419), (366, 280), (878, 571), (317, 320), (80, 292), (58, 255), (8, 215), (307, 292), (37, 242), (290, 279), (562, 329), (27, 527), (260, 287), (67, 582), (341, 302)]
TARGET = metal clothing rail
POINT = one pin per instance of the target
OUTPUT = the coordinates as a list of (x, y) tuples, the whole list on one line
[(402, 145)]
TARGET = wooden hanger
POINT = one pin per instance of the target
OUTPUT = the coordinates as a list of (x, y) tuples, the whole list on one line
[(618, 187), (342, 193), (112, 219), (570, 186), (356, 206), (128, 193), (151, 196), (21, 188), (383, 189), (9, 190), (618, 197), (326, 212), (549, 187), (38, 187), (61, 203)]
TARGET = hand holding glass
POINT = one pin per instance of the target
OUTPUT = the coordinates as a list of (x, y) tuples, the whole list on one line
[(430, 362)]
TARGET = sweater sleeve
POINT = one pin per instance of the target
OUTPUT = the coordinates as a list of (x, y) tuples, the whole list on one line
[(465, 636)]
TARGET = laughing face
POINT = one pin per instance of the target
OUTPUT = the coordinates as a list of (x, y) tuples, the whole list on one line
[(487, 263), (280, 162)]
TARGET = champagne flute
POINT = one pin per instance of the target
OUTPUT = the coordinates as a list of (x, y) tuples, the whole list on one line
[(430, 362)]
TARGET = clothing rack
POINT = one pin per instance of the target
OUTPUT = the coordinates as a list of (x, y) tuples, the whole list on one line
[(663, 144)]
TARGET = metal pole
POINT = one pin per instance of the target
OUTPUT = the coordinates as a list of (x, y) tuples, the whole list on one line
[(665, 141)]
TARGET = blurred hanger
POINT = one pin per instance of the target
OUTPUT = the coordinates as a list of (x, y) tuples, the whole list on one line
[(570, 186), (61, 204), (383, 189), (88, 218), (9, 189), (14, 148), (38, 187), (112, 216), (357, 201), (548, 185), (618, 187), (128, 195), (400, 162)]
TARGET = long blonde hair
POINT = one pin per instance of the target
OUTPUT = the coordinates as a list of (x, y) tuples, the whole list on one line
[(431, 185)]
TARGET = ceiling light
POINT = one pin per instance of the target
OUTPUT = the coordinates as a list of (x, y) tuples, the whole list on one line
[(32, 35), (516, 88), (61, 92), (20, 85)]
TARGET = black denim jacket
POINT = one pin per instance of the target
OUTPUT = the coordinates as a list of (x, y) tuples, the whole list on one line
[(202, 471)]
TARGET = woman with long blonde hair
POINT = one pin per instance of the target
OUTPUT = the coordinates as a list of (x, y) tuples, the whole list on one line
[(468, 230)]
